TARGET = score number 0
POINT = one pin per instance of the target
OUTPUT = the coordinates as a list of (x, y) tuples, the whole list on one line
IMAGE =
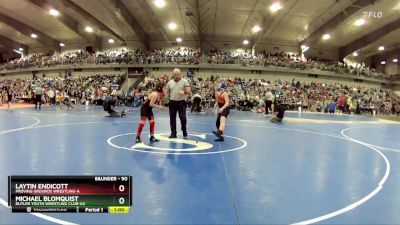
[(121, 188)]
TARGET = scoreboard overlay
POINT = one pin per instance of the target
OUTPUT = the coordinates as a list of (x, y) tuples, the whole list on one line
[(70, 194)]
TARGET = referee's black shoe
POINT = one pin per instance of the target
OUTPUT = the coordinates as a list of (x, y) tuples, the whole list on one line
[(172, 136)]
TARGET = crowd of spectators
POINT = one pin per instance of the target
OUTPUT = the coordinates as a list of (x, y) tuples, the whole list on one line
[(318, 97), (245, 94), (192, 56), (127, 56), (84, 90), (293, 62), (249, 95)]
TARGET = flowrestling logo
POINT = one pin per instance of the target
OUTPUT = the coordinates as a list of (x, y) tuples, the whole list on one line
[(196, 143), (373, 14)]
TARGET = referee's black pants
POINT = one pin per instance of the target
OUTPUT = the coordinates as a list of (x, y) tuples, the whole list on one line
[(180, 107), (268, 105), (38, 100)]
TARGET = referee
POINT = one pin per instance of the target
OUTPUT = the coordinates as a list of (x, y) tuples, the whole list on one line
[(38, 93), (177, 89), (10, 92), (269, 97)]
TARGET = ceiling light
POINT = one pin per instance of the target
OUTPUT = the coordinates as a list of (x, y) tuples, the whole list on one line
[(383, 62), (304, 48), (355, 54), (110, 40), (54, 12), (359, 22), (275, 7), (381, 48), (178, 39), (19, 52), (326, 36), (33, 35), (245, 42), (256, 29), (395, 60), (62, 44), (172, 26), (21, 49), (305, 27), (88, 29), (159, 3)]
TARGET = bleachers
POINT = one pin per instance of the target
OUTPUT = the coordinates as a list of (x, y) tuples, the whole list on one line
[(192, 57)]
